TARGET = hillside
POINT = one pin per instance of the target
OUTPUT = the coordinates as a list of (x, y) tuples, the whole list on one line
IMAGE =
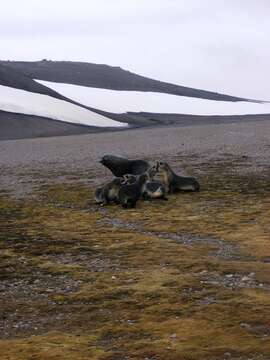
[(21, 120), (17, 79), (14, 125), (107, 77), (20, 126)]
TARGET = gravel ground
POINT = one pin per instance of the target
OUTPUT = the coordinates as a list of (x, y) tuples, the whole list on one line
[(27, 163)]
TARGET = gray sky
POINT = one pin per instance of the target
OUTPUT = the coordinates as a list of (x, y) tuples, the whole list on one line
[(220, 45)]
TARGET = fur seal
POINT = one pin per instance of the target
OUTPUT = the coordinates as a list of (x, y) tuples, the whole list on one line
[(120, 166), (109, 192), (152, 189), (174, 182), (129, 194), (99, 196)]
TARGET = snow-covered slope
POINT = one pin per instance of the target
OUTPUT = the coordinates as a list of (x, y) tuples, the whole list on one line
[(136, 101), (25, 102), (106, 77)]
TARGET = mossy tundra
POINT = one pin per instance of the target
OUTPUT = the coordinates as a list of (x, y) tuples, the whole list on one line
[(184, 279)]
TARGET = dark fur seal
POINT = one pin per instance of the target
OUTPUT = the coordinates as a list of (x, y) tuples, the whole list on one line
[(174, 182), (120, 166), (129, 194), (99, 196), (151, 189), (154, 190)]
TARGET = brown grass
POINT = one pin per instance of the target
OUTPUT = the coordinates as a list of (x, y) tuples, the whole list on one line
[(81, 282)]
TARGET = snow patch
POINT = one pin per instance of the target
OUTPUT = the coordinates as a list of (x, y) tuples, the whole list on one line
[(25, 102), (137, 101)]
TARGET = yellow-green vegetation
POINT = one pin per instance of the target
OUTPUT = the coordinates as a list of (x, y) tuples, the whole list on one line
[(184, 279)]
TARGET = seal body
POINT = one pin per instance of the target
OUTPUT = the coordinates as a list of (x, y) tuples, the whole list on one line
[(174, 182), (129, 194), (99, 196), (109, 192), (120, 166), (154, 190), (151, 189)]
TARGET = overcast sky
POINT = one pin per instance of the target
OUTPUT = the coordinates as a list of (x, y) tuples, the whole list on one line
[(220, 45)]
